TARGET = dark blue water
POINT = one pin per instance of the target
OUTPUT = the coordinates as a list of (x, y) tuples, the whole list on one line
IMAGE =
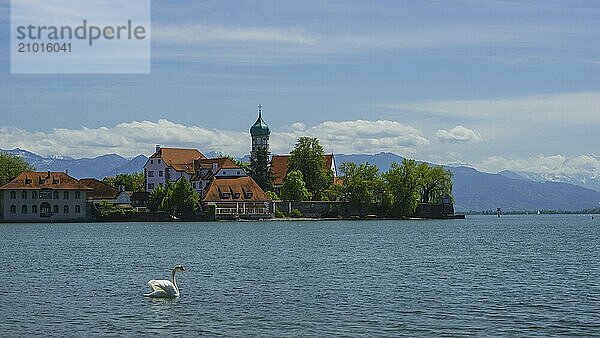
[(517, 275)]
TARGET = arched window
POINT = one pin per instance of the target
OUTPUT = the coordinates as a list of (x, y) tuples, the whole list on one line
[(77, 209), (34, 209), (13, 209), (13, 195), (34, 194), (45, 209), (66, 195), (23, 209), (55, 195), (66, 209), (56, 209), (24, 194), (78, 194)]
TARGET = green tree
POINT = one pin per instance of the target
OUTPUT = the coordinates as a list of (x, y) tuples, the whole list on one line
[(131, 182), (11, 166), (434, 182), (180, 198), (272, 195), (361, 185), (260, 170), (294, 188), (156, 198), (307, 157), (402, 183)]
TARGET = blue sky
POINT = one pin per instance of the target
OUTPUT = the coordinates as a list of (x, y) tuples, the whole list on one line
[(494, 84)]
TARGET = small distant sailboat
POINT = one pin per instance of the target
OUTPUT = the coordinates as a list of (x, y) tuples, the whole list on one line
[(538, 212)]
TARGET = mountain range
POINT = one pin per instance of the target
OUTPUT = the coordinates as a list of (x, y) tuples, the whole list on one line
[(473, 190)]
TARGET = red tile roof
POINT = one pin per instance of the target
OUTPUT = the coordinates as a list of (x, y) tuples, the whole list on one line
[(238, 189), (279, 164), (44, 180), (100, 190), (180, 159), (207, 163)]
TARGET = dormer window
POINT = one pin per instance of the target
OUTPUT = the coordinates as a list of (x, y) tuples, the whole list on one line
[(224, 195), (234, 195)]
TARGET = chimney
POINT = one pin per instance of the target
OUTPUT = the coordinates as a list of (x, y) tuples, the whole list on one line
[(157, 147)]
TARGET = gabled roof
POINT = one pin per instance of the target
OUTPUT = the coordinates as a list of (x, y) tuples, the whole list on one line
[(279, 164), (234, 189), (207, 163), (100, 190), (180, 159), (31, 180)]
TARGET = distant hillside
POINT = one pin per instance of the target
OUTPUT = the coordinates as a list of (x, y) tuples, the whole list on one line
[(97, 167), (590, 181), (474, 190)]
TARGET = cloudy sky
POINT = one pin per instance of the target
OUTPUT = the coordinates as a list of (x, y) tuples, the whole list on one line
[(493, 84)]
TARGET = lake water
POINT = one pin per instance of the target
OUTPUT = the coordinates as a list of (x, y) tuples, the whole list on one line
[(514, 275)]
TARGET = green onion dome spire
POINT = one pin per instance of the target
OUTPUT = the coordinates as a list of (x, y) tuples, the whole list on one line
[(260, 127)]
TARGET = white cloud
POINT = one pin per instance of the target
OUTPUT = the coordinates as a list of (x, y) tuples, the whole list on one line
[(543, 164), (127, 139), (583, 107), (359, 136), (133, 138), (459, 134)]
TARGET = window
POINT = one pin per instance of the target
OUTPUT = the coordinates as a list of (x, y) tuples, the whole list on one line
[(150, 186), (161, 173), (34, 194), (66, 195), (66, 209), (194, 185), (13, 195), (77, 194), (45, 194), (13, 209), (56, 209), (77, 209), (24, 194), (34, 209), (159, 161), (151, 161), (238, 173), (151, 173), (224, 172), (45, 209), (55, 195), (23, 209)]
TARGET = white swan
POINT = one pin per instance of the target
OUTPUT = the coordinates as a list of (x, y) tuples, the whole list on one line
[(162, 288)]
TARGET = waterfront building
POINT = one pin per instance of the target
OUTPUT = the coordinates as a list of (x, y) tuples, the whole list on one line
[(237, 196), (100, 191), (206, 170), (43, 197), (169, 165)]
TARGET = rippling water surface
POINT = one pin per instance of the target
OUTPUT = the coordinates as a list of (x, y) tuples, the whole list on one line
[(516, 275)]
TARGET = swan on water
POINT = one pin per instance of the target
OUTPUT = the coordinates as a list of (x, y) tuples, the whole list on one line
[(162, 288)]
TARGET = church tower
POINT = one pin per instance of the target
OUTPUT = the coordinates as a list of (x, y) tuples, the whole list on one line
[(260, 133)]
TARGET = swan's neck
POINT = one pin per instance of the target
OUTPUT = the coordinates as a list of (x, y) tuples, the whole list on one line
[(173, 279)]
